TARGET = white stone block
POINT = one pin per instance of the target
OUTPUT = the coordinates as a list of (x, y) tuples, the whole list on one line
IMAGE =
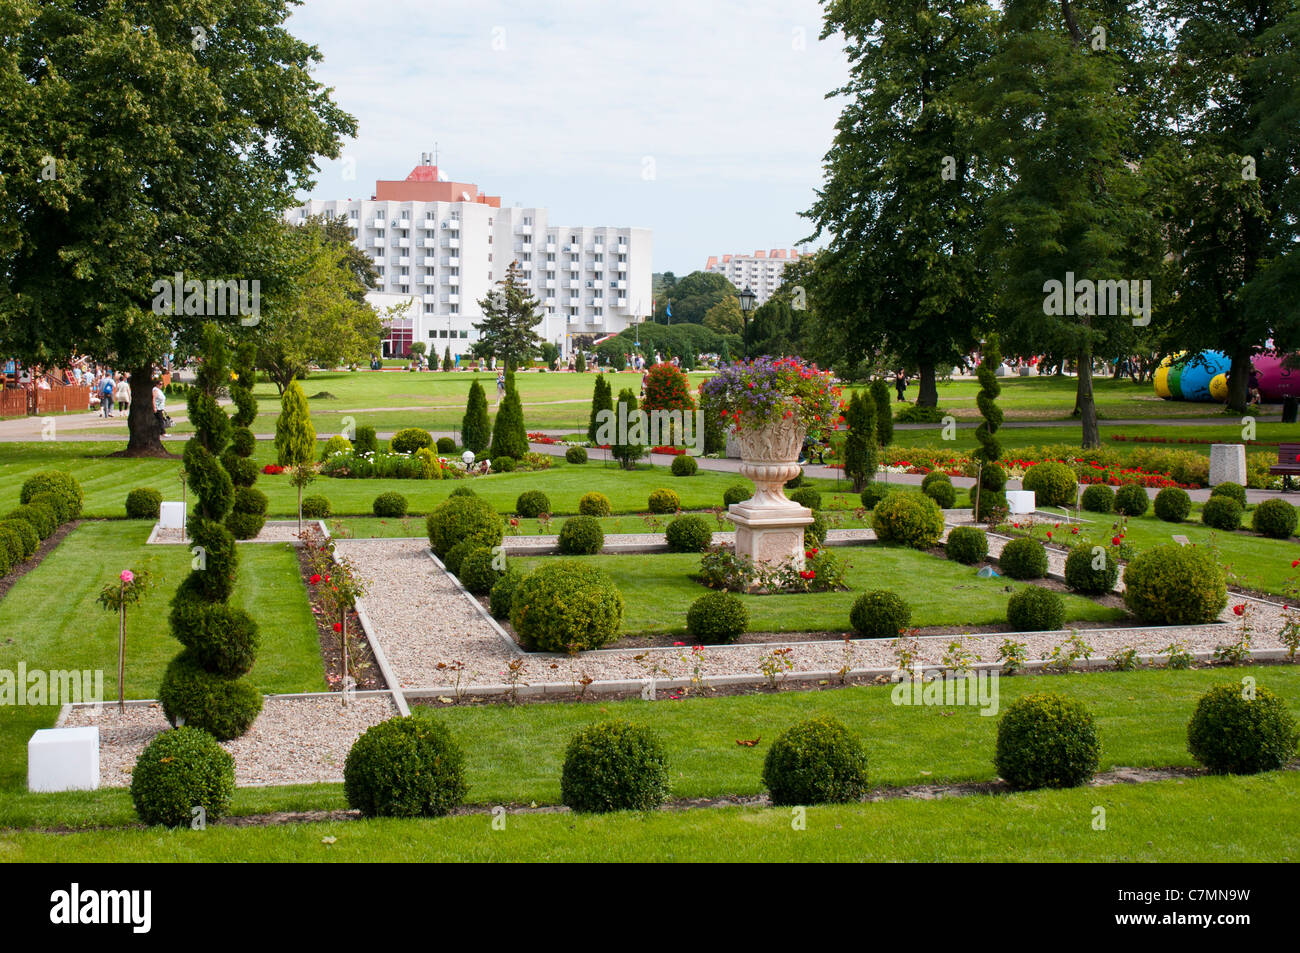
[(1020, 502), (1227, 463), (171, 516), (63, 759)]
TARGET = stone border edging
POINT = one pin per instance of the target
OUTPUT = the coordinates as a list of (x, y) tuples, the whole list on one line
[(478, 606)]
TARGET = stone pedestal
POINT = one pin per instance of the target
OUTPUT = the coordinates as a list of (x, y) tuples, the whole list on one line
[(769, 527), (733, 445), (63, 759), (1227, 463), (1020, 502), (171, 515)]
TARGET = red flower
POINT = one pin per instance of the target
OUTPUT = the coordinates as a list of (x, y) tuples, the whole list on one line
[(1115, 540), (1049, 534), (315, 578), (327, 578), (1074, 530), (810, 553), (1294, 563), (338, 626), (1240, 610)]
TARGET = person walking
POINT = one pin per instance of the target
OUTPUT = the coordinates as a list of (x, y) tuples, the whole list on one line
[(106, 388), (501, 385), (122, 394), (900, 383), (160, 407)]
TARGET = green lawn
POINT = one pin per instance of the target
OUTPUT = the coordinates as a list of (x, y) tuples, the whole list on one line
[(51, 621), (657, 591)]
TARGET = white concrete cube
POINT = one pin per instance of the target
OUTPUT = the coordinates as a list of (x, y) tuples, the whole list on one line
[(63, 759), (1227, 463), (171, 516), (1020, 502)]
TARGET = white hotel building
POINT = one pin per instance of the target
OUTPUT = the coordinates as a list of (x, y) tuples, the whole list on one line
[(760, 272), (440, 247)]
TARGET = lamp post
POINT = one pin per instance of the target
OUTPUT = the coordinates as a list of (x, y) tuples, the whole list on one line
[(747, 299)]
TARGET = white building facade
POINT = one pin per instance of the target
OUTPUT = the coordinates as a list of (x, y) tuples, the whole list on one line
[(760, 272), (438, 259)]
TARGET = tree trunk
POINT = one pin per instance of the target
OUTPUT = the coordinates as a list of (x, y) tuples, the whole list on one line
[(145, 433), (928, 393), (1084, 401), (1238, 382)]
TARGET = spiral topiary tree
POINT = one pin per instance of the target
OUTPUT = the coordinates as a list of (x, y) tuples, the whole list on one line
[(992, 483), (204, 686), (248, 509)]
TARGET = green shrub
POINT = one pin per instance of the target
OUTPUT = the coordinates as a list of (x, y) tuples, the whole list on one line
[(11, 546), (504, 464), (873, 493), (1222, 512), (390, 505), (530, 503), (244, 525), (1274, 518), (503, 590), (738, 493), (222, 639), (243, 441), (59, 482), (1053, 483), (1082, 574), (445, 446), (993, 477), (222, 706), (795, 481), (815, 762), (614, 766), (1173, 504), (335, 444), (594, 504), (1035, 609), (1232, 734), (143, 503), (943, 494), (57, 505), (664, 501), (1046, 741), (967, 544), (366, 441), (243, 471), (1233, 491), (917, 414), (40, 516), (807, 496), (178, 771), (410, 440), (814, 534), (684, 465), (581, 536), (463, 518), (565, 606), (1098, 498), (689, 534), (933, 477), (463, 491), (908, 518), (1023, 558), (457, 554), (1131, 500), (405, 767), (1175, 585), (476, 572), (26, 533), (316, 507), (880, 614), (577, 455), (717, 617)]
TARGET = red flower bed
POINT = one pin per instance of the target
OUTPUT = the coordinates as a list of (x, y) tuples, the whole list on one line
[(541, 438), (273, 468), (671, 451)]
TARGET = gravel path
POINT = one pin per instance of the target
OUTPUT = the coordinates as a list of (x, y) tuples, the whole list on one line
[(273, 531), (295, 740)]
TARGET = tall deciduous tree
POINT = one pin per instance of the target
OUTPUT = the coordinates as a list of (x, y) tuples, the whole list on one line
[(510, 314), (141, 139)]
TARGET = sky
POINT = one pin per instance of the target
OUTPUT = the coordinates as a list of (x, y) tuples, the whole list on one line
[(704, 121)]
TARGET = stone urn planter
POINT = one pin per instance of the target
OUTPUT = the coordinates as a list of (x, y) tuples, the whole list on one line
[(769, 527)]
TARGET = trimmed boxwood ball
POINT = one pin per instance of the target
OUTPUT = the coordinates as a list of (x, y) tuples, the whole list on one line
[(1053, 483), (614, 766), (57, 505), (1232, 734), (1175, 585), (222, 706), (1131, 500), (504, 465), (462, 491), (1047, 741), (575, 455), (664, 501), (1035, 609), (143, 503), (316, 507), (909, 518), (967, 544), (1274, 518), (717, 617), (880, 614), (1083, 575), (532, 502), (581, 536), (689, 534), (814, 534), (11, 546), (180, 770), (684, 465), (39, 515), (942, 493), (54, 481), (389, 505), (933, 477), (460, 518), (737, 493), (1023, 558), (445, 446), (807, 496), (1173, 504), (594, 504), (410, 440), (457, 554), (477, 573), (335, 444), (1233, 491), (873, 493), (818, 761), (503, 590), (1222, 512), (1098, 498), (245, 525), (26, 533), (405, 767), (566, 606)]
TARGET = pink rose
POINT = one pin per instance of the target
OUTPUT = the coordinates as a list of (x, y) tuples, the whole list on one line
[(128, 576)]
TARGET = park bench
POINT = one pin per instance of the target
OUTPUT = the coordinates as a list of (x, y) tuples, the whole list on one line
[(1288, 463)]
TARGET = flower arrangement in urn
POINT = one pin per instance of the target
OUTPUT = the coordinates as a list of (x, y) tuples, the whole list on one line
[(766, 391)]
